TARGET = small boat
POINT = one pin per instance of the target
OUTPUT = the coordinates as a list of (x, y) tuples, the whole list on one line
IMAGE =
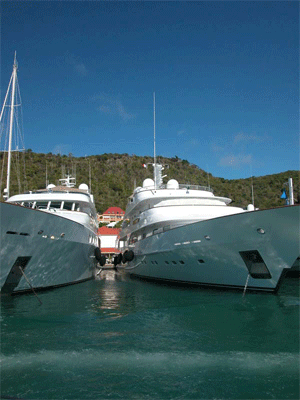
[(184, 233), (48, 236)]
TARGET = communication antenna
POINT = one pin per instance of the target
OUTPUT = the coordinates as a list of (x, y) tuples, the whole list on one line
[(90, 176), (252, 189), (154, 137), (46, 173), (154, 126), (208, 177)]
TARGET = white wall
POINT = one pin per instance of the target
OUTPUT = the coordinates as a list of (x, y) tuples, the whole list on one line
[(108, 240)]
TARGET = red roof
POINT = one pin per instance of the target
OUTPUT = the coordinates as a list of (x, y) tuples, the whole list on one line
[(109, 250), (104, 230), (114, 211)]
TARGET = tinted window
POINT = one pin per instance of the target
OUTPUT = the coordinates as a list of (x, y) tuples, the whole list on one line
[(55, 204), (68, 205), (41, 205)]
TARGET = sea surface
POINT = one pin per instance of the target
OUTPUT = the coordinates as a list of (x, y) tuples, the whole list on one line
[(122, 338)]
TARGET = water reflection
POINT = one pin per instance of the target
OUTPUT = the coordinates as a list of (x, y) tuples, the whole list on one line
[(111, 299)]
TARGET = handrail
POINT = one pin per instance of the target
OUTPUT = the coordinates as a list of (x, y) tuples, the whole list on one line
[(188, 187), (180, 186)]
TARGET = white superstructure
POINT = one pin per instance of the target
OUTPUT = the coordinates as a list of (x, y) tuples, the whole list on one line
[(184, 233), (48, 237)]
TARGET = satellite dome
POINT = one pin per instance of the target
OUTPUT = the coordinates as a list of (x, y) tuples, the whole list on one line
[(83, 186), (148, 183), (172, 184), (50, 186)]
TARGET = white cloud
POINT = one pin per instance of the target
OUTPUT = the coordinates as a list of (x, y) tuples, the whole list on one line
[(243, 137), (113, 106), (81, 69), (122, 113), (216, 148), (105, 109), (234, 152), (236, 161), (78, 66)]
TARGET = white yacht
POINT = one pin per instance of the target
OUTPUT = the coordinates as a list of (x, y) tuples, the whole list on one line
[(184, 233), (48, 237)]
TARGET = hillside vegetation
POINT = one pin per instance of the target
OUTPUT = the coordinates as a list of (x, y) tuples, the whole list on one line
[(114, 176)]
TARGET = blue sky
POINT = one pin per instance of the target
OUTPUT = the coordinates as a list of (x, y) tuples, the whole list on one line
[(225, 77)]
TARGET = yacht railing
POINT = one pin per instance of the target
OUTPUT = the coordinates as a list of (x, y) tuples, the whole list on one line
[(189, 187)]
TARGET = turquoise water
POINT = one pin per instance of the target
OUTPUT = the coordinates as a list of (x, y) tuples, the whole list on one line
[(119, 338)]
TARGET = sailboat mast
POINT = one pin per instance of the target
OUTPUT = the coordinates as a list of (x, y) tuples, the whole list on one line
[(14, 77), (154, 139)]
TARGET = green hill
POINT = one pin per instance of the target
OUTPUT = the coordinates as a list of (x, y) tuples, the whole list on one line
[(113, 177)]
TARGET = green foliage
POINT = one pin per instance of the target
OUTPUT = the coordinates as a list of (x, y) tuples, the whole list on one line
[(114, 176)]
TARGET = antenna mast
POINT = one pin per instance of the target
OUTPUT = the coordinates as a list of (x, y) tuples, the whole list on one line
[(252, 188), (154, 126), (154, 138)]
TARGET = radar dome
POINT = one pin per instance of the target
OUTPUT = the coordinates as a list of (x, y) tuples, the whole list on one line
[(50, 186), (172, 184), (148, 183), (83, 186)]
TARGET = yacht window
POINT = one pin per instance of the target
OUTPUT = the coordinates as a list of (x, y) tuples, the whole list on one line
[(166, 228), (67, 205), (86, 208), (135, 221), (133, 239), (28, 204), (76, 207), (55, 204), (41, 205)]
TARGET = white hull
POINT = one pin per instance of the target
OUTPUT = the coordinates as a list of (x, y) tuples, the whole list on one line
[(51, 250), (209, 252)]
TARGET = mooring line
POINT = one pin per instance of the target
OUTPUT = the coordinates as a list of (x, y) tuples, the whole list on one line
[(31, 287), (246, 284)]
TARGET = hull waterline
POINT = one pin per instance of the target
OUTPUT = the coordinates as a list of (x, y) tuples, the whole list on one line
[(252, 249), (42, 250)]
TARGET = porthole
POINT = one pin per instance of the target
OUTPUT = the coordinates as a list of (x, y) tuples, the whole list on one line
[(200, 261)]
